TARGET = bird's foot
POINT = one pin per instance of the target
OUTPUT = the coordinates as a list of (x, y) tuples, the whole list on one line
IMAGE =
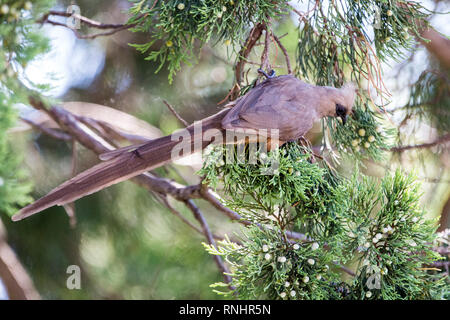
[(268, 76)]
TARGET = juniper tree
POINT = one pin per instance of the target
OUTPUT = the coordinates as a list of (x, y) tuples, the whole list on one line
[(378, 227), (312, 230), (20, 44)]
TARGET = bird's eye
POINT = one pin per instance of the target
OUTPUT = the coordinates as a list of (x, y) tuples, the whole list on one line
[(341, 111)]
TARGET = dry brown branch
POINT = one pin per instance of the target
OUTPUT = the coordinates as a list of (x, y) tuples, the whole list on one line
[(208, 196), (70, 207), (253, 37), (117, 135), (89, 22), (175, 113), (48, 131), (441, 140), (209, 236), (285, 53), (438, 45), (265, 65), (13, 275), (182, 218), (443, 220)]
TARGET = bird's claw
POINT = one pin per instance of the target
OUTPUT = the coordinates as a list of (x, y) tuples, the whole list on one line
[(268, 76)]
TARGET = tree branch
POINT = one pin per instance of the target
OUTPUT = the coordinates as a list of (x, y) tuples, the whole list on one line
[(13, 274), (89, 22), (100, 143), (438, 45), (441, 140), (285, 53), (265, 54), (443, 220), (253, 37), (201, 219), (57, 134), (175, 113)]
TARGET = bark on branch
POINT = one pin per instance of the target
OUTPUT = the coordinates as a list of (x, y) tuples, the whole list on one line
[(13, 275), (441, 140)]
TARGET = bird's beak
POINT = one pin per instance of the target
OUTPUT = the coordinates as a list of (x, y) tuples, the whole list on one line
[(344, 118)]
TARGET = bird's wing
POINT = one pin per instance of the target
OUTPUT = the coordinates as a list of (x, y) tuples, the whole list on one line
[(274, 104)]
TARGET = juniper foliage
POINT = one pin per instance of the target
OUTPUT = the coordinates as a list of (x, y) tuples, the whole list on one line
[(377, 229), (21, 43), (334, 44), (183, 27), (430, 99)]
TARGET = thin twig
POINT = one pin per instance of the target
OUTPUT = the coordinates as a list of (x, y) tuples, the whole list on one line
[(201, 219), (285, 53), (57, 134), (14, 276), (265, 55), (346, 270), (175, 113), (253, 37), (70, 207), (89, 22), (182, 218), (208, 196), (441, 140), (120, 135)]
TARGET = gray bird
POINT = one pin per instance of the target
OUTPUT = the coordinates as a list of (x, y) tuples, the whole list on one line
[(284, 103)]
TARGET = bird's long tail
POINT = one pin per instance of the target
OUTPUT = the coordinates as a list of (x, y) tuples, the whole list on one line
[(129, 164)]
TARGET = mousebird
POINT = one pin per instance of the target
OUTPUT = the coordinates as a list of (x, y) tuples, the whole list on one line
[(284, 103)]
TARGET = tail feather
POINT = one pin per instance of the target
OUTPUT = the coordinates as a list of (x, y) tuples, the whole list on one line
[(122, 167), (96, 178)]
